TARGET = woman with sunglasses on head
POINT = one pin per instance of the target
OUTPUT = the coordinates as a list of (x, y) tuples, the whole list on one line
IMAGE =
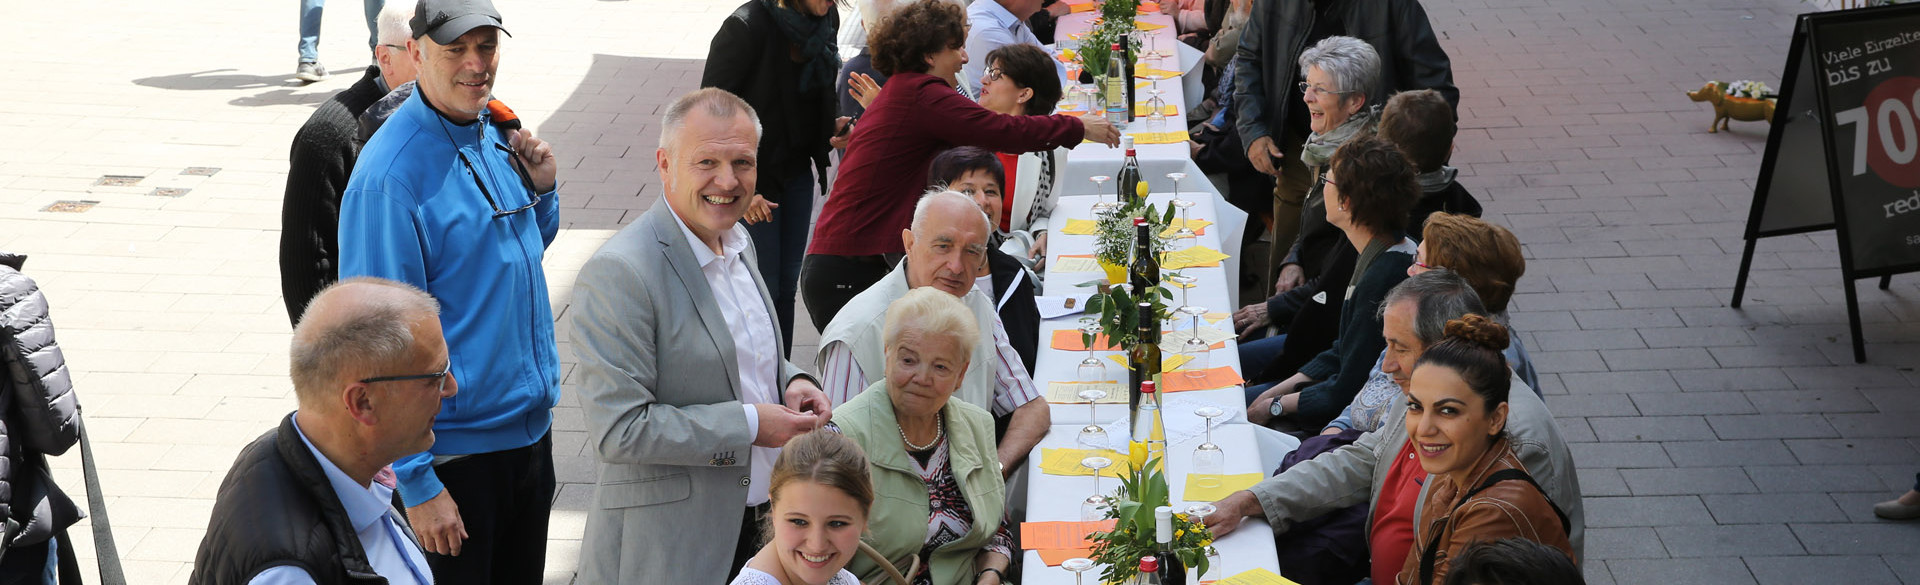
[(1477, 489)]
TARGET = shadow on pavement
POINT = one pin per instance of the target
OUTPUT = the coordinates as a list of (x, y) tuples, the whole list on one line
[(283, 89)]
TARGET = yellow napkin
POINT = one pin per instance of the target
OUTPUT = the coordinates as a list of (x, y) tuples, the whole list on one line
[(1196, 256), (1140, 109), (1081, 227), (1069, 392), (1199, 226), (1065, 461), (1148, 25), (1145, 72), (1168, 363), (1256, 577), (1216, 316), (1228, 484), (1174, 137)]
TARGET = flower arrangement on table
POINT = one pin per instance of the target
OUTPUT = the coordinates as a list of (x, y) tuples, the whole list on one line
[(1143, 489), (1117, 308)]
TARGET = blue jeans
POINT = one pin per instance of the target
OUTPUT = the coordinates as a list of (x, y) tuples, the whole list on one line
[(310, 26), (782, 243)]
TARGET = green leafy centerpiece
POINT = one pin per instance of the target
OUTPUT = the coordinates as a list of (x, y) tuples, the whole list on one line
[(1143, 489)]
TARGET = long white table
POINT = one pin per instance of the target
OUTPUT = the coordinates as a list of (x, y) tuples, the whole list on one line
[(1248, 449)]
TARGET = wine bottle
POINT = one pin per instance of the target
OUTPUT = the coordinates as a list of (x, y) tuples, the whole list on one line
[(1128, 183), (1119, 108), (1144, 273), (1171, 570)]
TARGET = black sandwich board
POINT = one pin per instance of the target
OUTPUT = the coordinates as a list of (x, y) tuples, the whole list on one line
[(1843, 152)]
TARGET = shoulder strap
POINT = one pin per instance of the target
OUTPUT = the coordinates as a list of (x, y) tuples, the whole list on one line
[(1433, 545), (108, 555)]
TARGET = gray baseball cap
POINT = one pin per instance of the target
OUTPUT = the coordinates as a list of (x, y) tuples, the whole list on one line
[(447, 20)]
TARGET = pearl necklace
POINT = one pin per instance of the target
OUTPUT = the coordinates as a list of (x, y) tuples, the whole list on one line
[(939, 431)]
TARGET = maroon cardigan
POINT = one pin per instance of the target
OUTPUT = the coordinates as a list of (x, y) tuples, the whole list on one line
[(884, 171)]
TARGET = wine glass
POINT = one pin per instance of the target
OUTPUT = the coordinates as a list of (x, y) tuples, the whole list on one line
[(1209, 462), (1199, 513), (1092, 369), (1079, 566), (1100, 190), (1093, 436), (1156, 106), (1096, 506), (1185, 283), (1186, 230), (1194, 346)]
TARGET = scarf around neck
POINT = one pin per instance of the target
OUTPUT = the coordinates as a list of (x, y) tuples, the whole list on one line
[(1437, 180), (817, 39), (1319, 147)]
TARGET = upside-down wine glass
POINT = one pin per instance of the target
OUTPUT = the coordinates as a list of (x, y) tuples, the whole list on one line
[(1096, 506), (1186, 230), (1209, 462), (1199, 513), (1079, 566), (1100, 190), (1195, 347), (1093, 436), (1092, 369)]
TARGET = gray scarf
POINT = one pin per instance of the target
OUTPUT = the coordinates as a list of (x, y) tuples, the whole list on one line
[(1319, 147), (1437, 180)]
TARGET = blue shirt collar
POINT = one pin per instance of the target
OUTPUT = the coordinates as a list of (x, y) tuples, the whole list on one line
[(999, 13), (364, 504)]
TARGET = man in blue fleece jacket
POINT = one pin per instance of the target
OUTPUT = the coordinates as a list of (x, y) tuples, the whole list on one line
[(449, 197)]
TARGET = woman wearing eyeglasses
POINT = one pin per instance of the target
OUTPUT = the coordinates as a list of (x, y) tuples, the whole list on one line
[(1314, 269), (1369, 190)]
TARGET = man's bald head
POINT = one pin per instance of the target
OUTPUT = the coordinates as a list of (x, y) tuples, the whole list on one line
[(351, 330), (947, 242)]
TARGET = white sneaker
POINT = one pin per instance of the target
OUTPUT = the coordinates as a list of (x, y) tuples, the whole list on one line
[(311, 71)]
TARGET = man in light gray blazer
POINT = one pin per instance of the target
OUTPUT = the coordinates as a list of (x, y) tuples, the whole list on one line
[(685, 394)]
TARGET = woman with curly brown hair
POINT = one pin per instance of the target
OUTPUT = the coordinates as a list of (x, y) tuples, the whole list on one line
[(917, 114), (1477, 489), (1489, 257)]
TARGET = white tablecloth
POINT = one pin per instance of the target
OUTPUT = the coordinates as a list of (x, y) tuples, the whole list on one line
[(1055, 497)]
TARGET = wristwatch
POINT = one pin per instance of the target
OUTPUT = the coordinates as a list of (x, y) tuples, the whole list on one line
[(1277, 409)]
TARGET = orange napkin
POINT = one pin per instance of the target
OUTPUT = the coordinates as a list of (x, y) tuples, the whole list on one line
[(1060, 535), (1054, 557), (1221, 377), (1085, 6), (1148, 7), (1071, 340)]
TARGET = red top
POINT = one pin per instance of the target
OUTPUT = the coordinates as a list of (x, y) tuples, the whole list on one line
[(885, 169), (1011, 163), (1391, 536)]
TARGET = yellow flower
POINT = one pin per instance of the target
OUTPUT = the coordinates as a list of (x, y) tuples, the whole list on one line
[(1068, 54), (1179, 533), (1141, 189)]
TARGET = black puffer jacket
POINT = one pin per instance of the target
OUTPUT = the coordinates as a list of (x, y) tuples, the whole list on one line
[(41, 412), (1270, 47)]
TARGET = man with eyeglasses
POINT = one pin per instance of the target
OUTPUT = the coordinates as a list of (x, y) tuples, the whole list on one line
[(1272, 119), (324, 151), (452, 197), (312, 501), (995, 24)]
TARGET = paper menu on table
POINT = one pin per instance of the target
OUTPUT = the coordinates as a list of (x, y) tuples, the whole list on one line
[(1173, 341), (1075, 264), (1069, 392)]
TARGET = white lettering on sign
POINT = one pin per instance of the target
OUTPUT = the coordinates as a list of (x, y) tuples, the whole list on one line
[(1903, 206)]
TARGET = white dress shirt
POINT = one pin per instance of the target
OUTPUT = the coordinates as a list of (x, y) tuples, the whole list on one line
[(369, 509), (754, 348), (994, 27)]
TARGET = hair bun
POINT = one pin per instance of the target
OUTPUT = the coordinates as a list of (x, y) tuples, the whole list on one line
[(1478, 330)]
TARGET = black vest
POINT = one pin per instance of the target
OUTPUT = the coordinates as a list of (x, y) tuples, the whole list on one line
[(277, 508)]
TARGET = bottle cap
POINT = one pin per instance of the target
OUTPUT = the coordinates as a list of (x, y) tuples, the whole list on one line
[(1149, 564), (1126, 141), (1163, 524), (1116, 46), (1147, 387), (1139, 222)]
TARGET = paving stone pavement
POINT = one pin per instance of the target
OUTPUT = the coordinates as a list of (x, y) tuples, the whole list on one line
[(1715, 445)]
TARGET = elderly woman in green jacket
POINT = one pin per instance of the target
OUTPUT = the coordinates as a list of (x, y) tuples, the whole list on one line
[(938, 492)]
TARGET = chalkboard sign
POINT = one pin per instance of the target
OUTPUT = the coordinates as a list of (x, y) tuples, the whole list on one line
[(1851, 90)]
